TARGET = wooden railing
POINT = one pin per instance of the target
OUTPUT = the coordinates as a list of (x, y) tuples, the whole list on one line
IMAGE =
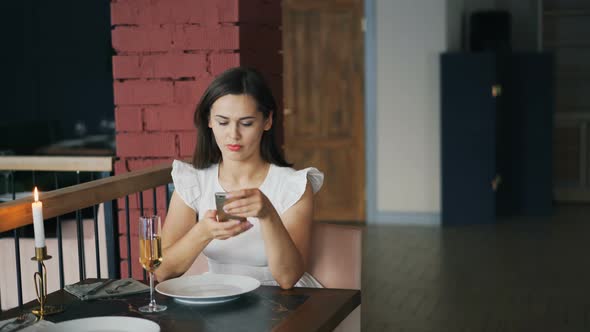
[(18, 213), (59, 164)]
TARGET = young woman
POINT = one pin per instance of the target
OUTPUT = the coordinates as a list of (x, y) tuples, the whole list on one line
[(237, 153)]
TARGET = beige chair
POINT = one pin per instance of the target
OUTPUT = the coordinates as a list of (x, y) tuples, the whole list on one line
[(335, 262)]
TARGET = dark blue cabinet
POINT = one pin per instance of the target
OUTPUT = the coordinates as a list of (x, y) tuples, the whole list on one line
[(496, 136)]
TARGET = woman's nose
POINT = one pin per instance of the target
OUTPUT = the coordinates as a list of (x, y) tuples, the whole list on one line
[(235, 131)]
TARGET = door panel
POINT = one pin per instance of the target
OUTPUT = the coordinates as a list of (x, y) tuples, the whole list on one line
[(469, 114), (323, 80)]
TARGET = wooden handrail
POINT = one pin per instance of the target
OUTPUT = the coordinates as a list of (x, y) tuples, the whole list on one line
[(18, 213), (50, 163)]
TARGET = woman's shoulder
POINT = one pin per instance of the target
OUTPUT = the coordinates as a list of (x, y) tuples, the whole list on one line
[(190, 182), (291, 177), (292, 183)]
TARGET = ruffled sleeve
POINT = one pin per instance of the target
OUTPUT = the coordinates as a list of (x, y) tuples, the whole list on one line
[(186, 183), (297, 181)]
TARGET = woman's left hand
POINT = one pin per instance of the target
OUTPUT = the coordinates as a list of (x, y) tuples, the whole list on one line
[(249, 203)]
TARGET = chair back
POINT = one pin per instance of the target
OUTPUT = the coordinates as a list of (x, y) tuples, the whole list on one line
[(335, 257)]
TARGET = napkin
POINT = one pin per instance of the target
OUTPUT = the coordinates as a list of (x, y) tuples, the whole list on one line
[(30, 324), (127, 287), (39, 326)]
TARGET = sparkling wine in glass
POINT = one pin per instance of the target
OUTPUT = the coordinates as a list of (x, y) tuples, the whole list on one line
[(150, 255)]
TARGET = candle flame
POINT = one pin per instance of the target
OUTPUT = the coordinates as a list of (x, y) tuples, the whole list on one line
[(36, 194)]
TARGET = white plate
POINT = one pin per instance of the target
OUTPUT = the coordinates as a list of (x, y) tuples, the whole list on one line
[(207, 288), (106, 324)]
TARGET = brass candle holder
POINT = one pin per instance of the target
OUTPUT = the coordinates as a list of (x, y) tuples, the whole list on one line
[(40, 280)]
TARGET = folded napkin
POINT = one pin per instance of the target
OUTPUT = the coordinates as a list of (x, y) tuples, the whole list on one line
[(39, 326), (29, 324), (123, 286)]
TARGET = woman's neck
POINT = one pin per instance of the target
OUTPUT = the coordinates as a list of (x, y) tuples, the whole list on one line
[(242, 174)]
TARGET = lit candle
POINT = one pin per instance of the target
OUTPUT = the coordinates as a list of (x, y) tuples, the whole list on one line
[(38, 221)]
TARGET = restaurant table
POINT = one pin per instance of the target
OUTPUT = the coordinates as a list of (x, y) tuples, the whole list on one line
[(264, 309)]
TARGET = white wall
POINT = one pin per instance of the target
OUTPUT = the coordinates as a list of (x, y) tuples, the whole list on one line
[(410, 35)]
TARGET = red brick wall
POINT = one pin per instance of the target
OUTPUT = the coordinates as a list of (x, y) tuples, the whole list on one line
[(166, 53)]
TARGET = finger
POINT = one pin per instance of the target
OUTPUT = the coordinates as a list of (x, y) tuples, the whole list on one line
[(210, 214), (224, 233), (236, 194), (221, 228), (243, 210), (241, 228), (238, 229), (241, 220), (240, 193), (226, 225), (235, 232), (238, 203)]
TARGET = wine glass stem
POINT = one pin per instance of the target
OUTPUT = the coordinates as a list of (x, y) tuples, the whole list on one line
[(152, 301)]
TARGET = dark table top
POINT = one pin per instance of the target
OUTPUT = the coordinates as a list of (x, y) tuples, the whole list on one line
[(267, 308)]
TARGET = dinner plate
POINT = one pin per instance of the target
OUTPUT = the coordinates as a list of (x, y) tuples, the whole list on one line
[(207, 288), (106, 324)]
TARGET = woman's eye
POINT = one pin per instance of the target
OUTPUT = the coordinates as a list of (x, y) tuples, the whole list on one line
[(223, 123), (247, 124)]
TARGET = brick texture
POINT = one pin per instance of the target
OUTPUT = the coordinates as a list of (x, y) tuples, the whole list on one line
[(128, 119), (149, 38), (193, 37), (166, 54), (222, 61), (169, 117), (136, 267), (143, 92), (187, 142), (159, 144), (189, 92)]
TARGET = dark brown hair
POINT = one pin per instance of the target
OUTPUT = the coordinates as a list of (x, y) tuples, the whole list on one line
[(235, 81)]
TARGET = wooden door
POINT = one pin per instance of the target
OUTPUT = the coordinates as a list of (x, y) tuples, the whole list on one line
[(324, 113)]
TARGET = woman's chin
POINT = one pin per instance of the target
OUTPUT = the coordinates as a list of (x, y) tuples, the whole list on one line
[(235, 156)]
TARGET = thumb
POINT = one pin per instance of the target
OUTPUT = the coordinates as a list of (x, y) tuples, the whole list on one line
[(210, 214)]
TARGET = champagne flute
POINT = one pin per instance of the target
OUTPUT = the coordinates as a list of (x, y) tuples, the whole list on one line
[(150, 255)]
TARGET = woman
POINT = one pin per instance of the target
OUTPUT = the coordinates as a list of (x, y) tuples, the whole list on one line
[(237, 153)]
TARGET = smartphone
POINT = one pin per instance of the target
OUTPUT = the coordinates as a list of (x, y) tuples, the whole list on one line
[(220, 200)]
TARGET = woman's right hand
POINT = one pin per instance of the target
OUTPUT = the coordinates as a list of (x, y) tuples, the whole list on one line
[(214, 229)]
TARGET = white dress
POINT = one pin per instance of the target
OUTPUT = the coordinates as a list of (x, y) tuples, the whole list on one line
[(244, 254)]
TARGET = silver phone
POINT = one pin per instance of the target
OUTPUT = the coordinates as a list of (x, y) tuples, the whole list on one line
[(220, 200)]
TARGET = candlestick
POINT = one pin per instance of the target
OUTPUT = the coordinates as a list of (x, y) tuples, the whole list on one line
[(37, 207), (40, 279)]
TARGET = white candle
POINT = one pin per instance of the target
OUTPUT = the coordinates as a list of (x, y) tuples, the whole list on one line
[(38, 221)]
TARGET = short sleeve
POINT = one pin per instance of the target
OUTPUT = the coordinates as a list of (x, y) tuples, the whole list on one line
[(297, 181), (186, 183)]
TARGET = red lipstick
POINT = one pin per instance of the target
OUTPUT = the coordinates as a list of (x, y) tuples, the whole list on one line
[(233, 147)]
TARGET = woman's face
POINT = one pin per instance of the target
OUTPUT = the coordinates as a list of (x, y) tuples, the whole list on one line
[(238, 126)]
